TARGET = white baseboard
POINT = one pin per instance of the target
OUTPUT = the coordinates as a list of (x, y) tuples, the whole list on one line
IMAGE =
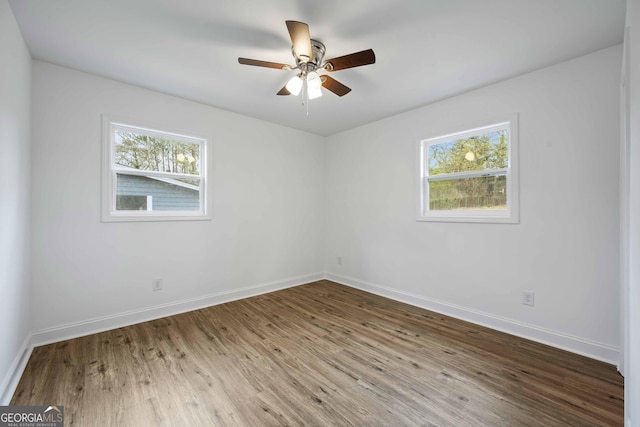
[(10, 382), (105, 323), (592, 349)]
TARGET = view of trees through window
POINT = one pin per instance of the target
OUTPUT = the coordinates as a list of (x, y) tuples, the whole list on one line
[(469, 173), (156, 154)]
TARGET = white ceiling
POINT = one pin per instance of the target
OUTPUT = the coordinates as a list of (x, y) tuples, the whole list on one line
[(426, 50)]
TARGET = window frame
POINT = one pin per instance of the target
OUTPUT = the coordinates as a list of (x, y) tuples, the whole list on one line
[(110, 173), (510, 215)]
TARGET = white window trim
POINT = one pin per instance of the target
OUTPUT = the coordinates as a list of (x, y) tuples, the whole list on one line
[(109, 174), (511, 215)]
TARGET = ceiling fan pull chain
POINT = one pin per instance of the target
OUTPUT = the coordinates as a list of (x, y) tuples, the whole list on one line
[(305, 99)]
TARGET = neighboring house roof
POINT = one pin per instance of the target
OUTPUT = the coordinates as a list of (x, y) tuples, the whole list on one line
[(161, 179)]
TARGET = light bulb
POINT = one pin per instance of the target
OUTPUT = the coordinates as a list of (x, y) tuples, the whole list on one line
[(314, 92), (181, 157), (191, 158), (294, 85), (313, 80), (470, 156), (314, 85)]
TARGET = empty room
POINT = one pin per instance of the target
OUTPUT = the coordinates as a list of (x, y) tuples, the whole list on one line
[(364, 213)]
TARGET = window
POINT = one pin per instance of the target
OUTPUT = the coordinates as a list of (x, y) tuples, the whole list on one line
[(152, 175), (470, 176)]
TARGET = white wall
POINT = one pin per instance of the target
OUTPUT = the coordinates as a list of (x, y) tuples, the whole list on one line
[(632, 187), (15, 100), (565, 247), (267, 208)]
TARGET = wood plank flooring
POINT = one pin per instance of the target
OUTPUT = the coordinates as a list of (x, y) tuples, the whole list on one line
[(320, 354)]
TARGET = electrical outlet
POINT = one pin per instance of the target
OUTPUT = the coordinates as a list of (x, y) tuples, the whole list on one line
[(528, 298), (156, 284), (339, 260)]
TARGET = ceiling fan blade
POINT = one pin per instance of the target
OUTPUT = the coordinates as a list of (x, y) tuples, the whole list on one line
[(334, 86), (267, 64), (301, 40), (283, 91), (357, 59)]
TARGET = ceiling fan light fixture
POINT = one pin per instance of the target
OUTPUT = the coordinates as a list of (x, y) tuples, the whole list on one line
[(315, 93), (294, 85), (313, 80), (314, 85)]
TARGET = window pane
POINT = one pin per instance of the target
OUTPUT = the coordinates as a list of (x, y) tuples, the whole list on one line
[(480, 152), (144, 152), (166, 194), (131, 203), (486, 192)]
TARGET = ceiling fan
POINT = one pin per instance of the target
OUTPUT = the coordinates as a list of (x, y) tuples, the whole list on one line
[(308, 54)]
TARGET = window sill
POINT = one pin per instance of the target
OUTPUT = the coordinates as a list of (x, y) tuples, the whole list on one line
[(474, 219), (154, 218)]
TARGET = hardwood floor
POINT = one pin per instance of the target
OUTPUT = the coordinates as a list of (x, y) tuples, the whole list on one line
[(318, 354)]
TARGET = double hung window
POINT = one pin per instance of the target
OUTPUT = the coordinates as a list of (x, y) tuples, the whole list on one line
[(471, 175)]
